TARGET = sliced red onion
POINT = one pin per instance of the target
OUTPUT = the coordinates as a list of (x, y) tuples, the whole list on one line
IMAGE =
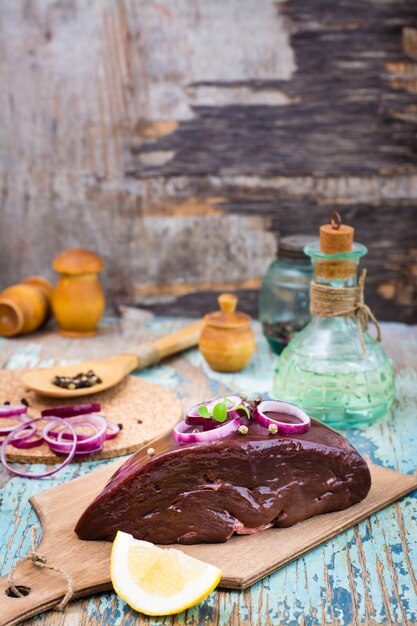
[(85, 453), (206, 422), (64, 441), (181, 435), (26, 442), (87, 444), (12, 435), (193, 418), (60, 435), (8, 429), (31, 430), (24, 417), (282, 407), (9, 410), (71, 410), (113, 430), (5, 431)]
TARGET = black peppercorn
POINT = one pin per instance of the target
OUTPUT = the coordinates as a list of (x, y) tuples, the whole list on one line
[(79, 381)]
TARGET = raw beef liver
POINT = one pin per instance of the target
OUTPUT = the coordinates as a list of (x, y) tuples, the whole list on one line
[(205, 492)]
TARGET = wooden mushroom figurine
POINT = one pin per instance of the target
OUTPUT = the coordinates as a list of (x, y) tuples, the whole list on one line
[(78, 299), (227, 341)]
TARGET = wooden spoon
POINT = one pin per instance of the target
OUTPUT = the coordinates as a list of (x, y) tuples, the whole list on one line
[(112, 370)]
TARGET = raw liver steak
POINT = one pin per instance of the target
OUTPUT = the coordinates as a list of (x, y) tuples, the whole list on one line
[(205, 492)]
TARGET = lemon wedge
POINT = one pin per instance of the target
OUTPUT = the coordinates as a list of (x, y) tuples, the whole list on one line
[(158, 581)]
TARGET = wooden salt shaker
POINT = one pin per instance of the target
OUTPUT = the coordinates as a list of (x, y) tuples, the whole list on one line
[(227, 341)]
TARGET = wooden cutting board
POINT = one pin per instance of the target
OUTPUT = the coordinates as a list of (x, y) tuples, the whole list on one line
[(143, 409), (243, 559)]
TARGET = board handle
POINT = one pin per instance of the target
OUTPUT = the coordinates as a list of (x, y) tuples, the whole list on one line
[(153, 352), (46, 589)]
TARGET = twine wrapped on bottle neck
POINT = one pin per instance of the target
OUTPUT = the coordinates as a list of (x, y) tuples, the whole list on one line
[(327, 301)]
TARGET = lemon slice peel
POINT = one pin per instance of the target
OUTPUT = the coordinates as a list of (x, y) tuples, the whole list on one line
[(159, 581)]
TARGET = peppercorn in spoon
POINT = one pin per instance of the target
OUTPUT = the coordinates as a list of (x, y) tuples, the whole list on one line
[(88, 377)]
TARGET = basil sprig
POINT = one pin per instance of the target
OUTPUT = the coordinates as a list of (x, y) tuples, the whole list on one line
[(220, 411)]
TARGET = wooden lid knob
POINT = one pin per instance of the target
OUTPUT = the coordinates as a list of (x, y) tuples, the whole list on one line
[(336, 238), (227, 317), (227, 302)]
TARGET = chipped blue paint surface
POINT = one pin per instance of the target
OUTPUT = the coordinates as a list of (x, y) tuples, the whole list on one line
[(365, 575)]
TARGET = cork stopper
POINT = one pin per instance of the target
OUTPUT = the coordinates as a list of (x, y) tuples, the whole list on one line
[(336, 238)]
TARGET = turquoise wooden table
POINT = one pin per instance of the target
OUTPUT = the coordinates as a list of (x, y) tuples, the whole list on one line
[(367, 575)]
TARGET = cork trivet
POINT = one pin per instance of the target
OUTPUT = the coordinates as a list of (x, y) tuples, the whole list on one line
[(144, 409)]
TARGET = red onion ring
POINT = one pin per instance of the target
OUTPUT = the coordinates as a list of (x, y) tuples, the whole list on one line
[(24, 437), (9, 410), (87, 444), (193, 418), (60, 442), (71, 410), (60, 435), (24, 443), (226, 428), (82, 453), (113, 430), (8, 429), (282, 407), (11, 436)]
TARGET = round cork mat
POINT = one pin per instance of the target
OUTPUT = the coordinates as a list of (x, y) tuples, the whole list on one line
[(144, 410)]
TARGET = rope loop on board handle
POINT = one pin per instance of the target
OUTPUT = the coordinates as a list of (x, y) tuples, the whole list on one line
[(40, 560)]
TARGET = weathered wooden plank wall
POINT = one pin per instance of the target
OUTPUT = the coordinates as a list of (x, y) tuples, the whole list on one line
[(176, 138)]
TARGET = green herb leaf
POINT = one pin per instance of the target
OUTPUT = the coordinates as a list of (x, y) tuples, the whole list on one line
[(204, 412), (220, 412), (244, 408), (227, 400)]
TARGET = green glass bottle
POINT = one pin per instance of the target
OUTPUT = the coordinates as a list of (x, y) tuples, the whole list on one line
[(324, 369)]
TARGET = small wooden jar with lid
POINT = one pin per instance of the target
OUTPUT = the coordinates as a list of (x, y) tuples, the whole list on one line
[(227, 341), (78, 299)]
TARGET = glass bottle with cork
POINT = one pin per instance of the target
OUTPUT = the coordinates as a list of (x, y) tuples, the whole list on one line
[(284, 294), (333, 368)]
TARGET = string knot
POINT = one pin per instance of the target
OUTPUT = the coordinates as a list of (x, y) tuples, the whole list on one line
[(36, 558), (40, 560), (327, 301)]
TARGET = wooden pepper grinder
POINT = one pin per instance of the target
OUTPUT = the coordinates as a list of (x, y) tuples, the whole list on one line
[(227, 341), (25, 306)]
